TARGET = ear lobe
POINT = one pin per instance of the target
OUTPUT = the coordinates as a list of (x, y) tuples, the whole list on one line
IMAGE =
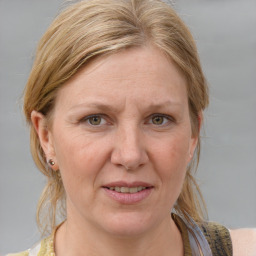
[(40, 124)]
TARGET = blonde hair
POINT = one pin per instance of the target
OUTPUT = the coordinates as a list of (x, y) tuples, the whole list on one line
[(93, 28)]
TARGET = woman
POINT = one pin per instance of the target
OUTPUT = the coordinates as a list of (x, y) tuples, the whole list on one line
[(115, 101)]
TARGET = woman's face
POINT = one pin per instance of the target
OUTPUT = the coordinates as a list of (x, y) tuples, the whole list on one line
[(121, 138)]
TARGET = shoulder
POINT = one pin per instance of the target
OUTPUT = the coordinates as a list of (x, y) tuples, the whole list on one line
[(34, 251), (244, 241), (25, 253), (44, 247), (218, 237)]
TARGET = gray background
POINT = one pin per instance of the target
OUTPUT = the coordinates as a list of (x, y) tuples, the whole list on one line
[(225, 31)]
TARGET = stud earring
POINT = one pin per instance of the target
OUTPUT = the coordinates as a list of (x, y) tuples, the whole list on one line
[(51, 162)]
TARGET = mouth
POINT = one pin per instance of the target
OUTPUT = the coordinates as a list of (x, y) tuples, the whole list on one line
[(128, 193), (129, 190)]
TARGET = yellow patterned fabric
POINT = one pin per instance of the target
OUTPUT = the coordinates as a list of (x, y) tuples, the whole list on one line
[(44, 248), (18, 254), (47, 247), (217, 236)]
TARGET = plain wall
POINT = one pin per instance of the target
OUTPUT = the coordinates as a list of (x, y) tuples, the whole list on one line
[(226, 39)]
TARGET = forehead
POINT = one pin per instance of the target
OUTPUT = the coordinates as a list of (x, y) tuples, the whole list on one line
[(136, 73)]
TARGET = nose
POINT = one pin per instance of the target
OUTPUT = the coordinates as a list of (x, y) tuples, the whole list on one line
[(129, 148)]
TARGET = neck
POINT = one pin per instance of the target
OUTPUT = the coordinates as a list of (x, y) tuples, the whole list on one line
[(74, 239)]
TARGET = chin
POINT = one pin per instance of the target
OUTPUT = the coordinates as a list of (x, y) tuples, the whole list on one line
[(129, 224)]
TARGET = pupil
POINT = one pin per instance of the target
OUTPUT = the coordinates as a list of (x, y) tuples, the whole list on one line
[(158, 120), (95, 120)]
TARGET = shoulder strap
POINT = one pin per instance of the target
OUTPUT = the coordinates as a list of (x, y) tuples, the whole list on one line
[(218, 238), (198, 243), (206, 238)]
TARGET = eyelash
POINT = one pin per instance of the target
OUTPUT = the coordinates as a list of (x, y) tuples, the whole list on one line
[(87, 118), (168, 119)]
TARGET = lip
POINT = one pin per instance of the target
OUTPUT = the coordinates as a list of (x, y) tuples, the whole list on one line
[(127, 184), (128, 198)]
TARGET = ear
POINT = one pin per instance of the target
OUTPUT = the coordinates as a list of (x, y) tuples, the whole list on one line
[(45, 136), (194, 138)]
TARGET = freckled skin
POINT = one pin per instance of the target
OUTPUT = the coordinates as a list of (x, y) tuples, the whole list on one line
[(134, 85)]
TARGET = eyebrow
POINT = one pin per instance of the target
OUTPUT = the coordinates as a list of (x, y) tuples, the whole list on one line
[(108, 107), (98, 105)]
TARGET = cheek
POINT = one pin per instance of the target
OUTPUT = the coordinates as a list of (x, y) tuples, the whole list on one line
[(173, 154), (80, 158), (171, 162)]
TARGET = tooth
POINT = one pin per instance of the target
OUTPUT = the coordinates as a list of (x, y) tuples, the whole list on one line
[(117, 189), (127, 190), (124, 190), (133, 190)]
